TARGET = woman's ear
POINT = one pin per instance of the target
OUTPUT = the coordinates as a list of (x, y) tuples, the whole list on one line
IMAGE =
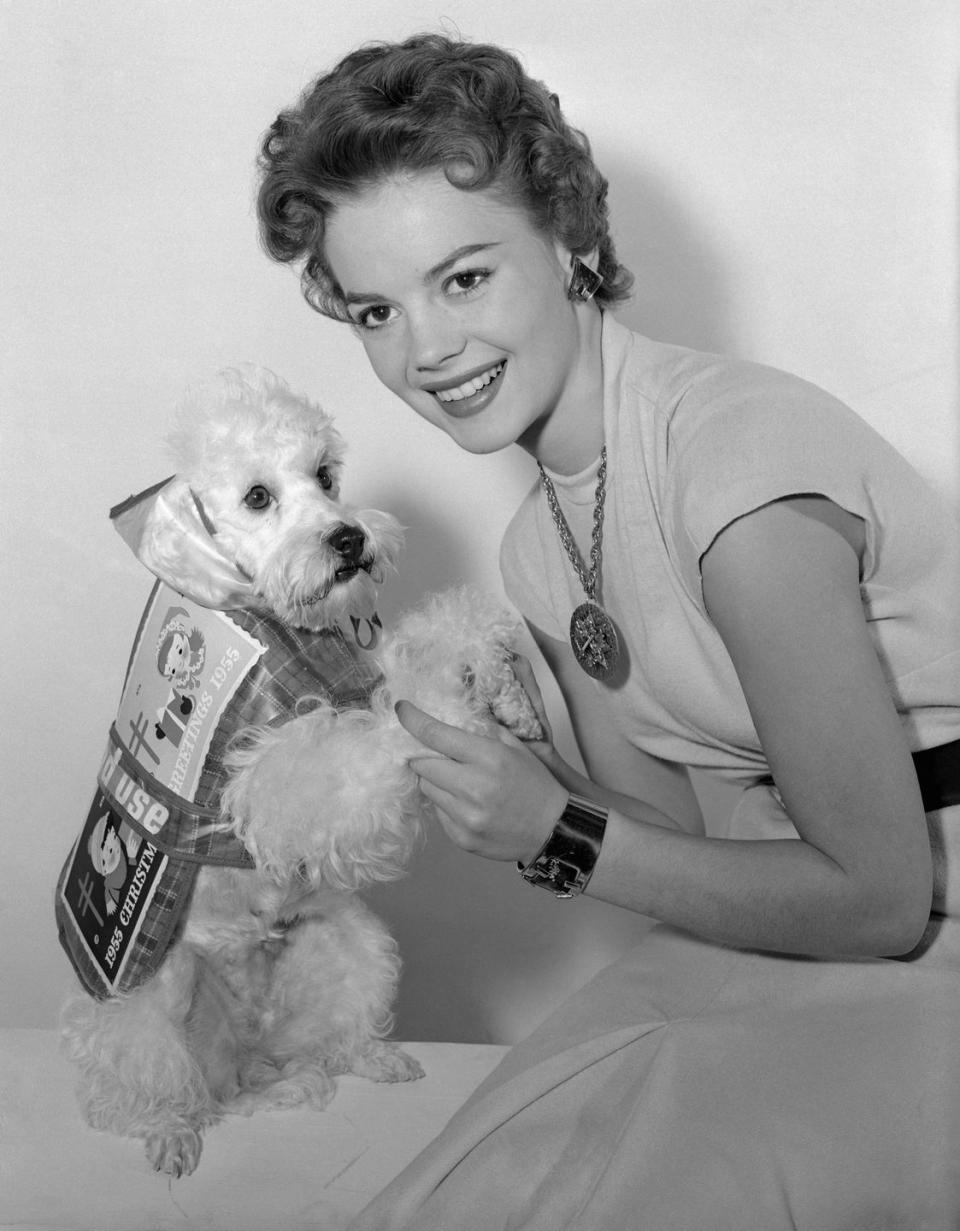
[(567, 258)]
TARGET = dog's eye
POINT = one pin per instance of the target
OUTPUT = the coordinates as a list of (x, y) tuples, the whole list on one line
[(324, 478), (257, 497)]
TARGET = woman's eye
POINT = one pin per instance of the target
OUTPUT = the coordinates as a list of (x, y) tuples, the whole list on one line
[(374, 317), (257, 497), (468, 280), (324, 478)]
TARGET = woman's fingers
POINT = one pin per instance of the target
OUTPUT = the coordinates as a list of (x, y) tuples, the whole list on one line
[(440, 736), (494, 797), (441, 772)]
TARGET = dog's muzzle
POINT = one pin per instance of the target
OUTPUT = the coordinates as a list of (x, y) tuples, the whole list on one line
[(349, 543)]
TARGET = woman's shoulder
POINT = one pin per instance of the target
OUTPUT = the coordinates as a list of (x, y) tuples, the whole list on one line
[(687, 388), (698, 412)]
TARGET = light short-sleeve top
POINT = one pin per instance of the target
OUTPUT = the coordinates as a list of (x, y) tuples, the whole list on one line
[(695, 441)]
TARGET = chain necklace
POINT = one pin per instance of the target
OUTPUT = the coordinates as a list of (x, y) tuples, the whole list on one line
[(593, 635)]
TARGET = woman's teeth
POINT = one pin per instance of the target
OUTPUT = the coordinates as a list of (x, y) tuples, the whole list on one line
[(469, 387)]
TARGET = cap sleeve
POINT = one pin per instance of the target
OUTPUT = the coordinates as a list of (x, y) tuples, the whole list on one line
[(747, 436)]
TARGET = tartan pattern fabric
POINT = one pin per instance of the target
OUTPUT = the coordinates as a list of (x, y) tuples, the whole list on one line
[(297, 666), (192, 832), (173, 891), (174, 880)]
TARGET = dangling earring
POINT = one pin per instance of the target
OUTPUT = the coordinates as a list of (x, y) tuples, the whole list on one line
[(584, 282)]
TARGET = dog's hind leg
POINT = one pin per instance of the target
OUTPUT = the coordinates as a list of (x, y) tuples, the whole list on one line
[(337, 980), (301, 1082), (137, 1075)]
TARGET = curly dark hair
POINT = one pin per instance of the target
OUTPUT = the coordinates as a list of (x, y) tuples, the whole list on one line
[(428, 102)]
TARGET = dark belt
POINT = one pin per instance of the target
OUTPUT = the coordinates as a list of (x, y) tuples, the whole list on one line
[(938, 772)]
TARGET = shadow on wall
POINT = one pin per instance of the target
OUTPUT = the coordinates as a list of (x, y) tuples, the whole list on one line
[(680, 292), (485, 956), (433, 555)]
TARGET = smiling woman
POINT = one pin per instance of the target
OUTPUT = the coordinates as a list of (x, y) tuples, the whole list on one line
[(453, 337), (777, 594)]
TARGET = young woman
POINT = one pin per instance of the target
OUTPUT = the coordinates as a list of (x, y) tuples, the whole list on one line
[(724, 568)]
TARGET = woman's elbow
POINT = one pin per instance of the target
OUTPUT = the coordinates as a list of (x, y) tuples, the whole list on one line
[(905, 937), (899, 917)]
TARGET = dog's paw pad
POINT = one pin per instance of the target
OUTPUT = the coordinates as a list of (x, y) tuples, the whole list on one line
[(409, 1069), (174, 1154), (398, 1066), (387, 1062)]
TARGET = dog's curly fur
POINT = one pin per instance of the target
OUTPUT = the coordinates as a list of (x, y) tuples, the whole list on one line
[(281, 978)]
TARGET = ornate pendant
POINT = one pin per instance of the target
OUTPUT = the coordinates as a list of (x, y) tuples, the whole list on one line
[(594, 639)]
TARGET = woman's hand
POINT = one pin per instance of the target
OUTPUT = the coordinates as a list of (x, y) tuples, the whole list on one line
[(494, 797)]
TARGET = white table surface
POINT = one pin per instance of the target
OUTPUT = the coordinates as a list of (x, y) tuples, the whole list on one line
[(274, 1171)]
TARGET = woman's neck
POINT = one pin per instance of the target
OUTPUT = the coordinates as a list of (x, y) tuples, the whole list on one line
[(568, 439)]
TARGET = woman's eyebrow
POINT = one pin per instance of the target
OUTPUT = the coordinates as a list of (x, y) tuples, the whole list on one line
[(436, 271), (456, 255)]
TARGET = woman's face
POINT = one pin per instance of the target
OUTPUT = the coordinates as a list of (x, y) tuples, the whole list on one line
[(461, 305)]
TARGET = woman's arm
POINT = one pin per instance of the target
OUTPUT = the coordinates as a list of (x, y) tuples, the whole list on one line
[(782, 587)]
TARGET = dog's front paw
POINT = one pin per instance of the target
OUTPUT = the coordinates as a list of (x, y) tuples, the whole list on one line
[(514, 710), (174, 1154), (385, 1062)]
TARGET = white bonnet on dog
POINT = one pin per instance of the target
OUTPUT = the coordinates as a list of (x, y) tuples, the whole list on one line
[(166, 529)]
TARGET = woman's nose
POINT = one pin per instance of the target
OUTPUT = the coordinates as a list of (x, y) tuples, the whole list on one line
[(435, 336)]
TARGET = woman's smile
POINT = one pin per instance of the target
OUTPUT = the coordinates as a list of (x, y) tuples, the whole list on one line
[(470, 323), (471, 394)]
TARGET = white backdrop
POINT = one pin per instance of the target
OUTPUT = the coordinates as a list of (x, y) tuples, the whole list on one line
[(782, 185)]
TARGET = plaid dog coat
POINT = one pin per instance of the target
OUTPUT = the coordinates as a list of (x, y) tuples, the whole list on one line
[(196, 676)]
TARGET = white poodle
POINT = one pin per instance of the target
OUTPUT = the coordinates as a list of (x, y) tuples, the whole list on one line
[(276, 976)]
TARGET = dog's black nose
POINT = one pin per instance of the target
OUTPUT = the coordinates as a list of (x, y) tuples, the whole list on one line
[(349, 542)]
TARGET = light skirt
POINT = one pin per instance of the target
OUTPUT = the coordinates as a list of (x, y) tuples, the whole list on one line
[(694, 1088)]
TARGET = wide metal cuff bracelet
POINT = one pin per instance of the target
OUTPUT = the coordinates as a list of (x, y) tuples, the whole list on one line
[(566, 860)]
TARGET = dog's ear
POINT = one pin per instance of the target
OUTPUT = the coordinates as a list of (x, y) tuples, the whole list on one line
[(167, 529)]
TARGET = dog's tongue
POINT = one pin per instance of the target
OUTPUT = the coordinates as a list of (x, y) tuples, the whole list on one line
[(166, 530)]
